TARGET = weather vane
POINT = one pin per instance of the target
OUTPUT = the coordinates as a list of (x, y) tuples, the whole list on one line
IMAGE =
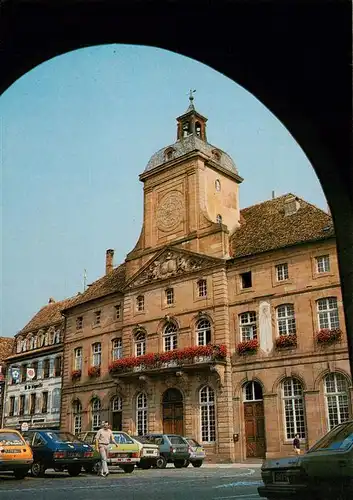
[(191, 97)]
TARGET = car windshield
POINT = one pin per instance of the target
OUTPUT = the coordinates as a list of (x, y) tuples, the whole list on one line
[(10, 439), (122, 438), (193, 443), (142, 440), (62, 437), (176, 440), (340, 438)]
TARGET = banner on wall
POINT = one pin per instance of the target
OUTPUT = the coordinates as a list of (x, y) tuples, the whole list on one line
[(15, 373), (31, 373)]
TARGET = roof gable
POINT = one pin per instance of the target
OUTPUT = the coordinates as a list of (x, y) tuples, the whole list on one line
[(265, 227), (48, 315)]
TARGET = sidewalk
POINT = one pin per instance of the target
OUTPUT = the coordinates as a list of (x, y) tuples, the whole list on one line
[(241, 465)]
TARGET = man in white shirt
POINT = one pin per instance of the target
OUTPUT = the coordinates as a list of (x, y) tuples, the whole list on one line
[(102, 440)]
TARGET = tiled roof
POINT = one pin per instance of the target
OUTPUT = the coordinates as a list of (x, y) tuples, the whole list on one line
[(48, 315), (109, 283), (6, 346), (265, 227)]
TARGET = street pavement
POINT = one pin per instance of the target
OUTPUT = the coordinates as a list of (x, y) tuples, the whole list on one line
[(206, 483)]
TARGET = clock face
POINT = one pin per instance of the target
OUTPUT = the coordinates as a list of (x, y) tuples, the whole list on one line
[(170, 211)]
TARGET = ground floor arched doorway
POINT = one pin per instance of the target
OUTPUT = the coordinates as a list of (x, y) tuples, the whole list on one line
[(173, 412), (254, 420)]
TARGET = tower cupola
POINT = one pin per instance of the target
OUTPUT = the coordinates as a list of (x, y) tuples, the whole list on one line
[(191, 122)]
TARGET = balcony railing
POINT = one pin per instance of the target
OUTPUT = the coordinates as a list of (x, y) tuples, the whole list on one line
[(170, 359)]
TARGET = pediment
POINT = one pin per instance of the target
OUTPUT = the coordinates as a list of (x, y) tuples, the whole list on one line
[(170, 263)]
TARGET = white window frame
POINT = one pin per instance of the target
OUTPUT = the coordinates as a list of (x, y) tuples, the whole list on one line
[(169, 296), (286, 324), (322, 264), (327, 313), (117, 348), (96, 408), (337, 400), (170, 337), (78, 358), (140, 303), (116, 407), (141, 414), (96, 354), (293, 409), (140, 343), (203, 330), (251, 385), (207, 414), (202, 288), (282, 273), (219, 219), (248, 326)]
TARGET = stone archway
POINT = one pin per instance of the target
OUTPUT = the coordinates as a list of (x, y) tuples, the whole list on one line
[(173, 411)]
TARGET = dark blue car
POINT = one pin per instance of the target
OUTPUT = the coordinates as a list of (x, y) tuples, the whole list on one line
[(58, 450)]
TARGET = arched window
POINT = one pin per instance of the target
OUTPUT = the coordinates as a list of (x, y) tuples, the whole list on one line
[(57, 336), (96, 414), (96, 354), (327, 312), (337, 399), (286, 320), (207, 415), (24, 345), (140, 343), (217, 184), (141, 414), (140, 303), (203, 329), (186, 129), (30, 342), (219, 219), (117, 349), (248, 329), (116, 406), (198, 129), (294, 413), (77, 416), (55, 400), (170, 337), (252, 391), (19, 345), (35, 342)]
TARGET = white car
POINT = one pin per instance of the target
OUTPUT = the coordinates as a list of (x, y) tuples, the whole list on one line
[(149, 452), (197, 453)]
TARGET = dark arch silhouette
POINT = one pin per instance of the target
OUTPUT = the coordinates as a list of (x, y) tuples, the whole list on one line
[(172, 396), (282, 53)]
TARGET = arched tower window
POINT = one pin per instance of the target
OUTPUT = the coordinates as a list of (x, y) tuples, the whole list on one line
[(203, 330), (219, 219), (198, 129), (170, 337)]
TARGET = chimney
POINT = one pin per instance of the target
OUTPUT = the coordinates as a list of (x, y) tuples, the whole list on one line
[(291, 205), (51, 300), (109, 257), (273, 195)]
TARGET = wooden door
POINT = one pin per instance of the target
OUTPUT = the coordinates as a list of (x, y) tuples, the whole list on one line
[(255, 430), (117, 420), (173, 412)]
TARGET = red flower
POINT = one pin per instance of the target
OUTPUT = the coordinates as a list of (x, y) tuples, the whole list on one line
[(75, 374), (286, 341), (327, 336), (249, 346), (94, 371)]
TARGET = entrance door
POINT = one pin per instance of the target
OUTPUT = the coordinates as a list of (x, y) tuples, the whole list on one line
[(116, 414), (117, 421), (173, 412), (254, 421)]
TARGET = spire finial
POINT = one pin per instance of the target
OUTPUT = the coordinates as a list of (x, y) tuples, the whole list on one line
[(191, 98)]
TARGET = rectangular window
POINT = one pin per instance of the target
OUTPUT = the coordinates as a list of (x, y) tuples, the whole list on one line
[(23, 373), (57, 366), (96, 354), (248, 330), (97, 318), (32, 406), (323, 264), (12, 406), (46, 368), (169, 295), (202, 288), (118, 311), (140, 303), (246, 280), (79, 323), (77, 424), (117, 349), (78, 358), (44, 402), (328, 313), (22, 404), (282, 272)]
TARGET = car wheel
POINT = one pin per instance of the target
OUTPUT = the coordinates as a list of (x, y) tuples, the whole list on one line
[(186, 463), (96, 467), (161, 463), (74, 470), (20, 473), (128, 468), (197, 463), (88, 468), (37, 469), (178, 464)]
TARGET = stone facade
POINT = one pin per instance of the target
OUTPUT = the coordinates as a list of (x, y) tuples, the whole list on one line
[(6, 346), (209, 328)]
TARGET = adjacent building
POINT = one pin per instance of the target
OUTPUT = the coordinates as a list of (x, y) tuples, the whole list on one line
[(34, 370), (6, 346), (224, 324)]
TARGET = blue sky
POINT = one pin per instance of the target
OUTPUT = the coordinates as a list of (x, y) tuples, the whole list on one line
[(77, 131)]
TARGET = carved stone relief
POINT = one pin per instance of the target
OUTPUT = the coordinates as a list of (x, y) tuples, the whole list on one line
[(170, 211)]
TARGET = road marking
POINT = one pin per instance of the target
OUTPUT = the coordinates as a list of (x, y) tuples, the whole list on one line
[(242, 474), (239, 483)]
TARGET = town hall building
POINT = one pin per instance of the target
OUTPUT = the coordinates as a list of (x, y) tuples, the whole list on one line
[(222, 324)]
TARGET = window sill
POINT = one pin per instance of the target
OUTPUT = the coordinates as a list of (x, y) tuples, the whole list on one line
[(283, 282), (246, 290)]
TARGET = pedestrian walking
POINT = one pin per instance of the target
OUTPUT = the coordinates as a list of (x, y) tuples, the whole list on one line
[(102, 440), (296, 444)]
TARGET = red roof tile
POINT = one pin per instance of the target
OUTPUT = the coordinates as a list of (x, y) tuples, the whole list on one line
[(6, 346), (47, 316)]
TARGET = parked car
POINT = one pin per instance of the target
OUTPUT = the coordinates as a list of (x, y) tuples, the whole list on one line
[(15, 454), (197, 453), (325, 472), (172, 449), (124, 455), (57, 450), (149, 452)]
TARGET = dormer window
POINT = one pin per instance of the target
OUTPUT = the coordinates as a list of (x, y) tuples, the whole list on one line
[(217, 185), (216, 155), (168, 154)]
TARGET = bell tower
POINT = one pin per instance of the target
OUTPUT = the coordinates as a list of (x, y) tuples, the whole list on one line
[(190, 194)]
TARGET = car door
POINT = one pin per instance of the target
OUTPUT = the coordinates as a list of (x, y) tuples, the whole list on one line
[(41, 451)]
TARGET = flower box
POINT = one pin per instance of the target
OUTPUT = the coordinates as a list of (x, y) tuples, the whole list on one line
[(284, 341), (328, 336), (75, 374), (248, 347), (169, 359), (94, 371)]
